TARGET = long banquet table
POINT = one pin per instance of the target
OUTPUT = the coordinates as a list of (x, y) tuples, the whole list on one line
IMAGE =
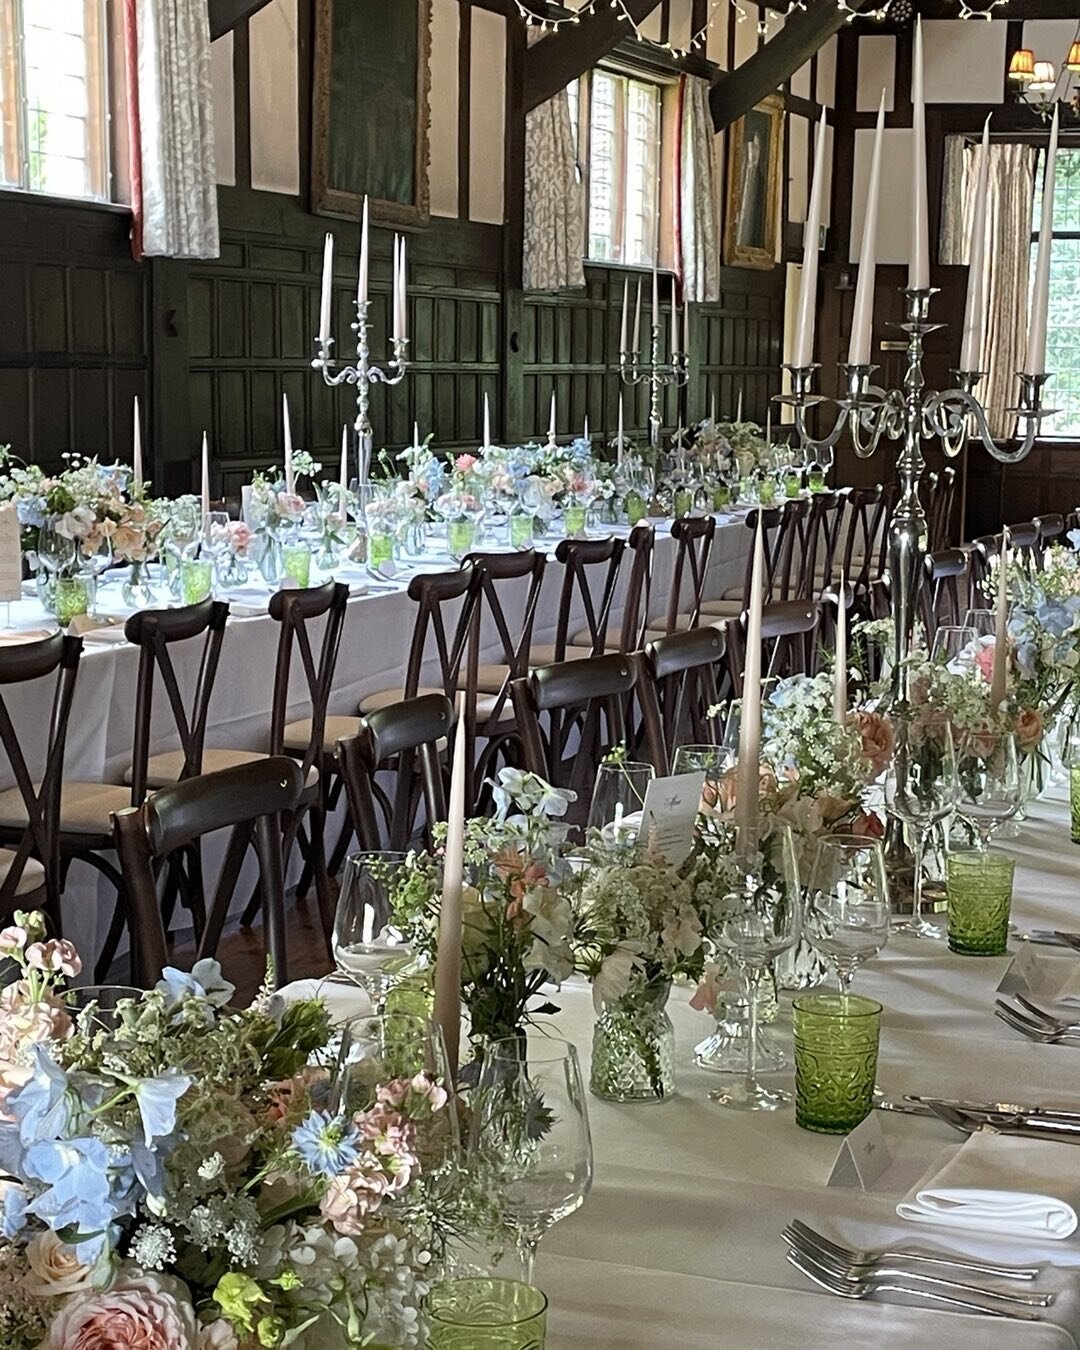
[(373, 656), (679, 1242)]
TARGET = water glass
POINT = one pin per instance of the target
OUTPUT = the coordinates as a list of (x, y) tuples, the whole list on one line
[(714, 760), (978, 888), (367, 947), (920, 790), (530, 1135), (196, 579), (479, 1313), (618, 799), (836, 1052), (378, 1047), (72, 598), (94, 1006), (988, 780), (983, 621), (296, 563), (955, 647), (847, 903)]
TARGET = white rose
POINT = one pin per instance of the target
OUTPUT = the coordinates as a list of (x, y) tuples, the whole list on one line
[(55, 1270), (218, 1335)]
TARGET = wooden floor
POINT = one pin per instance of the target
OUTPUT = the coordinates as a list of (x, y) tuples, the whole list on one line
[(243, 955)]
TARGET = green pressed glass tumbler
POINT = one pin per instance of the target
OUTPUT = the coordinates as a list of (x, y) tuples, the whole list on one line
[(521, 529), (380, 548), (815, 480), (574, 521), (196, 577), (721, 497), (459, 537), (296, 562), (635, 507), (1074, 800), (792, 484), (486, 1314), (836, 1051), (72, 598), (767, 491), (683, 503), (978, 889)]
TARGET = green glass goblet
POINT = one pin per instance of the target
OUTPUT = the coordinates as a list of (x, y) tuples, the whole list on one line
[(836, 1051), (635, 507), (72, 598), (486, 1314)]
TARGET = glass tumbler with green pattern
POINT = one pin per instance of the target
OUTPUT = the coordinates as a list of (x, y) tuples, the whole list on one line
[(1074, 799), (836, 1051), (296, 563), (196, 579), (978, 889), (478, 1313)]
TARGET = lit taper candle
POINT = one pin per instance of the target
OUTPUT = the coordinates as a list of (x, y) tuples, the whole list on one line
[(862, 320)]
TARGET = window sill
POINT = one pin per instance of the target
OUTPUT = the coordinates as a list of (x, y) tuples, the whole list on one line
[(27, 197)]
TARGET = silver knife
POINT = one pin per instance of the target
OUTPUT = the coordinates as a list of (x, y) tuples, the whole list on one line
[(1024, 1127), (1054, 1113), (1044, 937)]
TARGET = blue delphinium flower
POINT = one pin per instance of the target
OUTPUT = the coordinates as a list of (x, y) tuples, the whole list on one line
[(14, 1215), (79, 1192), (42, 1106), (326, 1143), (157, 1098), (204, 981)]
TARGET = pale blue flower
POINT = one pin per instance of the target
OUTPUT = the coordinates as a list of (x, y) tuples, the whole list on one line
[(79, 1192), (327, 1144), (157, 1098), (14, 1215), (204, 981), (42, 1105)]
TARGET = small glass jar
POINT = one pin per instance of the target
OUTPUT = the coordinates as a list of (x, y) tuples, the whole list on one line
[(380, 548), (633, 1050), (72, 598), (634, 506), (460, 534), (574, 521), (196, 580)]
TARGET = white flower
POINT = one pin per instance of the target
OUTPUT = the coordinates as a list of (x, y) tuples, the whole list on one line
[(55, 1271), (612, 980)]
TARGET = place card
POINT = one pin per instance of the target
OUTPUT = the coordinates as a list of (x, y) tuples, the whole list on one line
[(669, 815), (864, 1156), (1024, 974), (10, 555)]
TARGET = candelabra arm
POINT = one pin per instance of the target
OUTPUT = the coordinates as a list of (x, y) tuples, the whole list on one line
[(955, 413)]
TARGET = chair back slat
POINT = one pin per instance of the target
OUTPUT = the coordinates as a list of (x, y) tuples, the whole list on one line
[(155, 632), (635, 620), (590, 573), (687, 676), (295, 610), (435, 594), (514, 638), (693, 537)]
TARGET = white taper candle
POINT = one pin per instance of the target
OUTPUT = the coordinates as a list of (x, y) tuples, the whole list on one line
[(862, 319)]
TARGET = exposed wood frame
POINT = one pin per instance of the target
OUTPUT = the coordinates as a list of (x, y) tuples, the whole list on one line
[(562, 56), (226, 14), (772, 65)]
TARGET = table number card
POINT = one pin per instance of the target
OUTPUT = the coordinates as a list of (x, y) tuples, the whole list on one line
[(669, 815), (864, 1155), (10, 555)]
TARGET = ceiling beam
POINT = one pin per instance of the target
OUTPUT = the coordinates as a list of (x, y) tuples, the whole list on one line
[(556, 60), (226, 14), (773, 64)]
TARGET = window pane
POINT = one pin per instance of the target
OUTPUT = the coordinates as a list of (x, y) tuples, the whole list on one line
[(603, 168), (1063, 337), (642, 169)]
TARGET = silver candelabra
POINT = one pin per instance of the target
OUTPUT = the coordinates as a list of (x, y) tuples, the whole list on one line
[(659, 374), (363, 374), (911, 415)]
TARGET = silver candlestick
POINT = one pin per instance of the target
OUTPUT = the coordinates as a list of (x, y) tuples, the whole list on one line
[(659, 375), (363, 374)]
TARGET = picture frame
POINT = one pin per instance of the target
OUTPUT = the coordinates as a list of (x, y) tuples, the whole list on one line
[(754, 164), (371, 110)]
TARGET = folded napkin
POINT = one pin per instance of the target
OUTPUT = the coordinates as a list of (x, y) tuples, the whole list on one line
[(97, 628), (342, 1000), (1001, 1185), (10, 636)]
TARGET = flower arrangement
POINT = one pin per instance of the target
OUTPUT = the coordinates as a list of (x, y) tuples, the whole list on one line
[(179, 1178), (517, 922)]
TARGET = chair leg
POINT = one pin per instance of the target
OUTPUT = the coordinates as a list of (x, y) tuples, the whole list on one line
[(322, 877)]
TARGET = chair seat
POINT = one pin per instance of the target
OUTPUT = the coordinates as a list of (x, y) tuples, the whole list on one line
[(33, 874), (544, 654), (298, 734), (165, 769), (583, 638), (385, 697), (721, 609), (85, 808), (490, 677), (683, 623)]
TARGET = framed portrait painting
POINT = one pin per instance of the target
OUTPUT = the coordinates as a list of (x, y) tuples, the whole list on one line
[(371, 109), (755, 158)]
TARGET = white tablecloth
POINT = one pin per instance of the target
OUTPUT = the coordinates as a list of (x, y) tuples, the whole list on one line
[(373, 655), (679, 1242)]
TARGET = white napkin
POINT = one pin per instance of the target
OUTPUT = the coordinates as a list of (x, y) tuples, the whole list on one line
[(98, 628), (342, 1000), (1001, 1185)]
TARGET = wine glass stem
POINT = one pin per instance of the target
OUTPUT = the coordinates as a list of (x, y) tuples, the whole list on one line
[(751, 974), (845, 973), (527, 1245), (917, 879)]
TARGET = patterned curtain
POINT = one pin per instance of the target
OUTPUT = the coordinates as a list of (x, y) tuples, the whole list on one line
[(697, 223), (1009, 197), (554, 206), (172, 128)]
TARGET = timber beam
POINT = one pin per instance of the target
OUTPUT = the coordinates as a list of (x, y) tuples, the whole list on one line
[(560, 57)]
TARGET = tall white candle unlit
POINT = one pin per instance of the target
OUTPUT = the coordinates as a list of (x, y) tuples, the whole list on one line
[(919, 254), (673, 339), (136, 450), (840, 701), (972, 340), (862, 320), (290, 476), (655, 297), (343, 479), (637, 322), (487, 422), (1040, 294), (448, 957), (205, 476), (619, 439), (327, 287), (362, 275), (625, 313), (748, 767), (551, 420), (999, 675), (806, 313)]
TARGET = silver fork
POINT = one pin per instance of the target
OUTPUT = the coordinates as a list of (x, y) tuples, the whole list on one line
[(868, 1255), (1042, 1015), (1033, 1030), (857, 1270), (868, 1286)]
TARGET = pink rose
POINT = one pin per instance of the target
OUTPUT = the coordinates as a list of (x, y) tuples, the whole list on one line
[(878, 740), (868, 825), (984, 661), (57, 956), (351, 1196), (464, 463), (289, 504), (1028, 729), (239, 537), (140, 1312)]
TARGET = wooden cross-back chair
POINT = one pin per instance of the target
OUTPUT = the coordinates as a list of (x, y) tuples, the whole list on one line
[(30, 865), (983, 551), (944, 596), (406, 739), (629, 634), (571, 714), (251, 800), (1051, 530), (789, 631), (773, 537), (687, 675), (860, 554), (693, 536), (1024, 544), (813, 566), (940, 511), (590, 575)]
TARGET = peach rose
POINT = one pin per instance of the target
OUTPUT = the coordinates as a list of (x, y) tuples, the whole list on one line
[(1028, 729), (878, 740), (55, 1270), (140, 1312)]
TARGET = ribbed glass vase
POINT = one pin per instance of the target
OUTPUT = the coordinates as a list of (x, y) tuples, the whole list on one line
[(633, 1050)]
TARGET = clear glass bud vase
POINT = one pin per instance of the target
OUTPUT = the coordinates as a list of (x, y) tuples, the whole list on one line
[(633, 1049)]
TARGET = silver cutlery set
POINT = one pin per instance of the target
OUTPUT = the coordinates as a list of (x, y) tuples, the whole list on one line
[(860, 1273)]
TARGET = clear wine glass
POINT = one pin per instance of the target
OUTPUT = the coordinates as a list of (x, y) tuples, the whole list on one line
[(954, 647), (714, 760), (215, 537), (983, 621), (988, 788), (762, 921), (367, 947), (618, 799), (530, 1134), (847, 903), (920, 790)]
